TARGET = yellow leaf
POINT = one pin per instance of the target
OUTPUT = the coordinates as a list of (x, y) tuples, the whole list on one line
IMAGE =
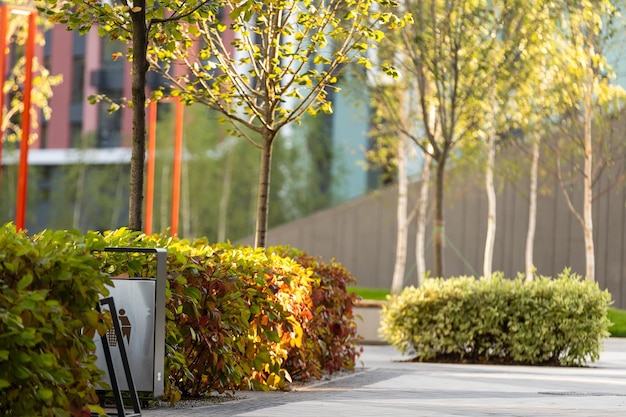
[(287, 376), (136, 9)]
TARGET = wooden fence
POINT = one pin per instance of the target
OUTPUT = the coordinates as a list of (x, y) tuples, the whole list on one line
[(361, 235)]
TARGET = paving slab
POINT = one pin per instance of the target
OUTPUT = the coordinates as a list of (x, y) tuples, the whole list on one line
[(385, 384)]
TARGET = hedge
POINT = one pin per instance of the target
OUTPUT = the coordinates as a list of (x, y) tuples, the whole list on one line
[(560, 321), (243, 318), (49, 286), (237, 317), (330, 335)]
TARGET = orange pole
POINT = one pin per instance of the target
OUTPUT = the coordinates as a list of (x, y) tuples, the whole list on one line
[(152, 120), (4, 12), (22, 178), (178, 150)]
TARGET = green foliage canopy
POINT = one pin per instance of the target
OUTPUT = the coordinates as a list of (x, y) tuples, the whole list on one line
[(49, 285), (267, 63)]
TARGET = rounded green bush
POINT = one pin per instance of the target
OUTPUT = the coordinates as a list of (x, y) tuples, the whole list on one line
[(560, 321)]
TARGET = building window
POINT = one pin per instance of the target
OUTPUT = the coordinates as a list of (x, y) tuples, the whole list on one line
[(109, 127), (78, 78), (76, 133), (79, 43), (47, 49), (44, 133), (111, 83), (109, 48)]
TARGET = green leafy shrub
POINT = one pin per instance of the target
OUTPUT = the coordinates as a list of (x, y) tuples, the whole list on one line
[(330, 336), (237, 317), (240, 317), (558, 321), (49, 286)]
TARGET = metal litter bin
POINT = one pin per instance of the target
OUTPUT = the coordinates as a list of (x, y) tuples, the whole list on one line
[(140, 305)]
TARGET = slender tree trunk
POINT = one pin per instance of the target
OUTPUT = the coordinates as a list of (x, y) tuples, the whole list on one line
[(139, 69), (401, 216), (491, 199), (587, 183), (586, 220), (186, 200), (268, 135), (532, 210), (80, 188), (117, 206), (439, 232), (420, 236), (222, 218), (263, 199)]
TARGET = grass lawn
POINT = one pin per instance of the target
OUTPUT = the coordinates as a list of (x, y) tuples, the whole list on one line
[(374, 294), (617, 317)]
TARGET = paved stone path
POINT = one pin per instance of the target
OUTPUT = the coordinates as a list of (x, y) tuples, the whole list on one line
[(383, 386)]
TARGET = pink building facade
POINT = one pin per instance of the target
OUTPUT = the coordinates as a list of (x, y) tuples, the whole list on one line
[(87, 67), (77, 133)]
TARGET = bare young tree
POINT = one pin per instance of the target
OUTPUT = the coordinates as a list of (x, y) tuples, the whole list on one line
[(443, 48), (584, 25), (270, 62)]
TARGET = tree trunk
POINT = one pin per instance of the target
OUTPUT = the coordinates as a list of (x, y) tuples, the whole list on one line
[(263, 198), (139, 69), (439, 232), (401, 215), (587, 183), (222, 217), (80, 188), (119, 192), (491, 200), (532, 211), (420, 236), (586, 220)]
